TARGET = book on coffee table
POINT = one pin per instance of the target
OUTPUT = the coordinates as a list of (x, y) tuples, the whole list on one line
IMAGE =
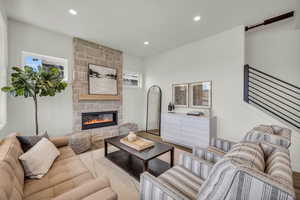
[(139, 144)]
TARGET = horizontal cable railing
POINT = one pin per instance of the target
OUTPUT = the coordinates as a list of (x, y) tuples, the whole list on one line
[(271, 94)]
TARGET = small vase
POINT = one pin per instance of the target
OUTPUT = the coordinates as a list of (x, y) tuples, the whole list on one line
[(131, 137)]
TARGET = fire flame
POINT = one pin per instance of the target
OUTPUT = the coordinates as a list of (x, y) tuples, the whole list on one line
[(97, 121)]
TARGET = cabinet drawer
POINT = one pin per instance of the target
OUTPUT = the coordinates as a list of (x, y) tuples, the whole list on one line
[(196, 131), (195, 120), (170, 118)]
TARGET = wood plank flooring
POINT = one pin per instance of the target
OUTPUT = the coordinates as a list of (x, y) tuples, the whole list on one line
[(296, 176)]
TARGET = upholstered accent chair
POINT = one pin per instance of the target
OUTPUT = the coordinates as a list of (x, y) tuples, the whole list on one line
[(248, 171)]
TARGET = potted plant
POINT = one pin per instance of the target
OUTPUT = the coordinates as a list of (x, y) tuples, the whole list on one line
[(29, 83)]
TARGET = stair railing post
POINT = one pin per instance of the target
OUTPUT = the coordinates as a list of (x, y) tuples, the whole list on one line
[(246, 83)]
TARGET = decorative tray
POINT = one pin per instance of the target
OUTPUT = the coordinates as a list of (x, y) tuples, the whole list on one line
[(139, 144)]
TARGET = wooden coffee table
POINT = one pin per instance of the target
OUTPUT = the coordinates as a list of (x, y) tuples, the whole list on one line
[(136, 162)]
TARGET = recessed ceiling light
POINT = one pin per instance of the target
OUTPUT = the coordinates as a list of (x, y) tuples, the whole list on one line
[(197, 18), (73, 12), (146, 43)]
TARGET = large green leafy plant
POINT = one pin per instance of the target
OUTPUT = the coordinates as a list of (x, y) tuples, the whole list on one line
[(29, 83)]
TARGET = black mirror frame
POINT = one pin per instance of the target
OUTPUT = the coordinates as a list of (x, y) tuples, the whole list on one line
[(160, 98)]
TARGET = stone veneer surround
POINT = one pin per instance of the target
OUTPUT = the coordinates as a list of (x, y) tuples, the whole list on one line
[(85, 53)]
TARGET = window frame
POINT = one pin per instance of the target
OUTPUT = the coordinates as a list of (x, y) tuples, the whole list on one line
[(3, 72), (57, 60), (139, 79)]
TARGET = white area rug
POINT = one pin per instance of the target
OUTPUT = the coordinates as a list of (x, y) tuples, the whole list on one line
[(125, 185)]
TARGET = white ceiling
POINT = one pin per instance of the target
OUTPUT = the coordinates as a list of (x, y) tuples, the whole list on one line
[(126, 24)]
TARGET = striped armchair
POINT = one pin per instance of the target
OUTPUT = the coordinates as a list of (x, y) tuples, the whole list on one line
[(248, 171)]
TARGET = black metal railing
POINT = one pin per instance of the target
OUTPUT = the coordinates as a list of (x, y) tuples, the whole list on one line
[(279, 98)]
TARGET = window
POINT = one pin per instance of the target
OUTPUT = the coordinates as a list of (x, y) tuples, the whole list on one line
[(3, 70), (132, 79), (37, 61)]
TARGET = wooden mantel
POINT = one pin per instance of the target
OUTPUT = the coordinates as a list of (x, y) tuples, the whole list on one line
[(99, 97)]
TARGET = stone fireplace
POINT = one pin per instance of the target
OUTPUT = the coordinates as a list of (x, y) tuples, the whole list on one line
[(96, 116)]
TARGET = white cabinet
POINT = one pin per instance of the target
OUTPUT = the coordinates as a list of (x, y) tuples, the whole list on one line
[(187, 130)]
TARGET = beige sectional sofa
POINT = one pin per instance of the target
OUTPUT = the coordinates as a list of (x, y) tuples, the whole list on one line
[(68, 178)]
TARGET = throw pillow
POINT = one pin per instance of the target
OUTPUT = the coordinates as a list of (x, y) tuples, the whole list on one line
[(29, 141), (264, 129), (38, 160), (248, 153)]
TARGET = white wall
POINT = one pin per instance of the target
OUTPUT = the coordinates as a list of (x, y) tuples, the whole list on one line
[(133, 98), (275, 50), (55, 113), (298, 15), (2, 7), (219, 58)]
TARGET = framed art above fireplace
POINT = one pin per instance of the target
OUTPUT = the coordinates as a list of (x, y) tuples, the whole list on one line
[(102, 80)]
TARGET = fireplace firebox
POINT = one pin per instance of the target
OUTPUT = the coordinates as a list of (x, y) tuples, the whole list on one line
[(92, 120)]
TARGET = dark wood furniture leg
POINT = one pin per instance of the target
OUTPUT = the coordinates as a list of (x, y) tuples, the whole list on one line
[(172, 157), (145, 165), (105, 148)]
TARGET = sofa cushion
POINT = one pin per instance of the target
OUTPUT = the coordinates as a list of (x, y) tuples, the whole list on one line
[(38, 160), (60, 141), (105, 194), (65, 152), (10, 150), (250, 153), (57, 189), (95, 189), (10, 189), (182, 180), (66, 171)]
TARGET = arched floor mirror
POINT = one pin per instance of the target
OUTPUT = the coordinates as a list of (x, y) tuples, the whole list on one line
[(153, 119)]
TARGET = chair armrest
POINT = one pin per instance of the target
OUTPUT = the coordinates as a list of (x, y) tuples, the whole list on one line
[(196, 165), (60, 141), (208, 154), (223, 145), (152, 188), (271, 184), (91, 189)]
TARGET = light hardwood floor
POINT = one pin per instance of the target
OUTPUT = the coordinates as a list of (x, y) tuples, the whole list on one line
[(297, 184)]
